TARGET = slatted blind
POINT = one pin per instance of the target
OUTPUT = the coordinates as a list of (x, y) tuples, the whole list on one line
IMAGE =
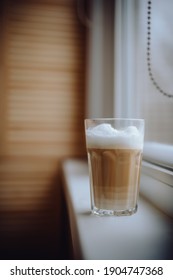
[(43, 46)]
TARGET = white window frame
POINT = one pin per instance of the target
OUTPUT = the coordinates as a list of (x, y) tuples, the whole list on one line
[(100, 60), (124, 87)]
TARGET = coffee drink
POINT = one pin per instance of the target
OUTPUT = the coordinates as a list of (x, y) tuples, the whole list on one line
[(114, 159), (115, 175)]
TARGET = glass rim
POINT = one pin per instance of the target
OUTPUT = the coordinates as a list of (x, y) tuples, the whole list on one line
[(113, 119)]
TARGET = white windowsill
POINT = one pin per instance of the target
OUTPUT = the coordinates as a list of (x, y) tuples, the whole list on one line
[(144, 235)]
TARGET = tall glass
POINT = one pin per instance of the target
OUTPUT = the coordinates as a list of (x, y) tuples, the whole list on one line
[(114, 148)]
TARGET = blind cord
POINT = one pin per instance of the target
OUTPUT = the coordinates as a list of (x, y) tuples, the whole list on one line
[(149, 65)]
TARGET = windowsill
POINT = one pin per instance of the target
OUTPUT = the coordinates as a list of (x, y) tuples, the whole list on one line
[(144, 235)]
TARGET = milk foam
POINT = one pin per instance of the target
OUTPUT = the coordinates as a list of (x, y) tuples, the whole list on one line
[(105, 136)]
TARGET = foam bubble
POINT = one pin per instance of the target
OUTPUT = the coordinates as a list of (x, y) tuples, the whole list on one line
[(102, 130), (105, 136)]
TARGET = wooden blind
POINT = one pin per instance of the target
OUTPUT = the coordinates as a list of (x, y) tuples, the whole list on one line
[(43, 110)]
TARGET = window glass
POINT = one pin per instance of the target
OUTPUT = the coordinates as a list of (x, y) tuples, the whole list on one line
[(154, 68)]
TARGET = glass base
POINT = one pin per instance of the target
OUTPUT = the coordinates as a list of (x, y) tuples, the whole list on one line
[(105, 212)]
